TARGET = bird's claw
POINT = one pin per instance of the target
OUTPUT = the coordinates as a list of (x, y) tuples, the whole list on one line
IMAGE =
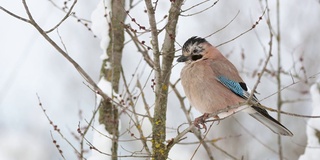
[(218, 118), (200, 121)]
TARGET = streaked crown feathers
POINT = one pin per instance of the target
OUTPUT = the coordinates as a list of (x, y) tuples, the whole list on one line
[(193, 41)]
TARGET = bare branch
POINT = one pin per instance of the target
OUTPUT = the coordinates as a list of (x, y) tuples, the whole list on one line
[(73, 15), (192, 14), (141, 48), (253, 26), (264, 66), (287, 113), (154, 37), (136, 119), (146, 106), (57, 146), (64, 54), (224, 26), (14, 15), (64, 18), (290, 85), (64, 46), (255, 137), (55, 127)]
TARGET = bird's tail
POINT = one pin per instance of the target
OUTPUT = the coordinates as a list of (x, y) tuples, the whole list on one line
[(262, 116)]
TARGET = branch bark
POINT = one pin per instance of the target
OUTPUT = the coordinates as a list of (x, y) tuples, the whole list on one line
[(162, 74), (109, 114)]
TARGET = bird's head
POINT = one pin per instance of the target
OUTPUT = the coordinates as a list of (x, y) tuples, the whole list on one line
[(193, 49)]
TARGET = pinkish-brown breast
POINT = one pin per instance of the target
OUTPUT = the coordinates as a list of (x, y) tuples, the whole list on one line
[(202, 89)]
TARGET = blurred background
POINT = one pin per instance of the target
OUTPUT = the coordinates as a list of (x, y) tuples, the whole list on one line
[(29, 65)]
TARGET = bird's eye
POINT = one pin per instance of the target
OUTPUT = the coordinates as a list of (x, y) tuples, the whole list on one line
[(195, 51)]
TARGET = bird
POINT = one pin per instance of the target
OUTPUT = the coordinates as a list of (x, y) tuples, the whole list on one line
[(212, 84)]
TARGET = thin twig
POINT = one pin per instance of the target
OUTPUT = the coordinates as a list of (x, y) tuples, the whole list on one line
[(14, 15), (64, 54), (202, 10), (146, 106), (136, 119), (253, 27), (141, 48), (293, 83), (73, 15), (57, 146), (201, 142), (263, 68), (64, 46), (55, 127), (225, 26), (64, 18), (254, 137), (286, 113)]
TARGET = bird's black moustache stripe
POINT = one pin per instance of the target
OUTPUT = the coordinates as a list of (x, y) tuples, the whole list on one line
[(196, 57)]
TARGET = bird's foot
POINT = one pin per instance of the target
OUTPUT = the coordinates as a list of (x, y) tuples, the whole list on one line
[(218, 118), (200, 121)]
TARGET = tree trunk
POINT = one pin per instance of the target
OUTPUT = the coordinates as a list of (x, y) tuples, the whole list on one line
[(109, 115), (162, 76)]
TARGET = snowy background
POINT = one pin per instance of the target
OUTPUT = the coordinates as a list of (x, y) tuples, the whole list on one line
[(29, 65)]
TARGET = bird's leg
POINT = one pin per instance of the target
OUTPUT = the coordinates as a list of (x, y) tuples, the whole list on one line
[(201, 120)]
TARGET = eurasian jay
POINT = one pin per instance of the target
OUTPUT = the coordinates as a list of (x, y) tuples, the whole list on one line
[(212, 84)]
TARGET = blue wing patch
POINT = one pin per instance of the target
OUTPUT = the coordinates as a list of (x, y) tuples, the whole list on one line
[(234, 86), (239, 88)]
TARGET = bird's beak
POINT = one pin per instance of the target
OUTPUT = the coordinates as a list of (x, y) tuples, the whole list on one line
[(182, 58)]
